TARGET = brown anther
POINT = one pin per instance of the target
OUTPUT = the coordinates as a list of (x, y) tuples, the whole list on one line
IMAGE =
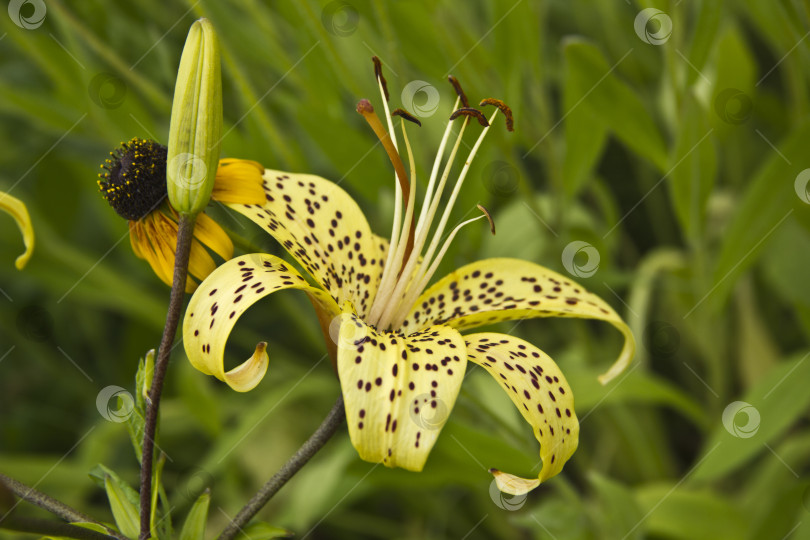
[(405, 115), (489, 218), (504, 108), (378, 74), (469, 111), (457, 87), (364, 107)]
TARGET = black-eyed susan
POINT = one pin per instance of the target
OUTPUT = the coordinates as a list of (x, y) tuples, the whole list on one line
[(16, 208), (399, 349), (134, 183)]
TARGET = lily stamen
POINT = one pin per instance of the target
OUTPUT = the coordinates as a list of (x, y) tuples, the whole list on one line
[(489, 218), (461, 95), (402, 113), (429, 208), (405, 245), (504, 108), (470, 111), (379, 75), (402, 299), (388, 288), (428, 275)]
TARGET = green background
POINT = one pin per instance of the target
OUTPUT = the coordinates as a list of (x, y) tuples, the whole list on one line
[(677, 161)]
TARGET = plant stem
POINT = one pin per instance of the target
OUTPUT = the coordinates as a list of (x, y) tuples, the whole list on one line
[(316, 441), (48, 503), (185, 234), (51, 528)]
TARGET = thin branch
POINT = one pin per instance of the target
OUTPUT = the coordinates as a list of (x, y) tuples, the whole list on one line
[(317, 441), (184, 237), (52, 528), (48, 503)]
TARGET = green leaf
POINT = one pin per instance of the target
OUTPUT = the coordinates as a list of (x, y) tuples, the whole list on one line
[(611, 103), (766, 204), (735, 69), (707, 21), (618, 511), (693, 168), (194, 526), (200, 400), (137, 420), (317, 488), (689, 515), (143, 378), (92, 526), (123, 510), (263, 531), (779, 399), (584, 138), (636, 386), (785, 262)]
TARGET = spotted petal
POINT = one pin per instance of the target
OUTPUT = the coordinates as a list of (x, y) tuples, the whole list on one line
[(398, 390), (322, 227), (495, 290), (538, 389), (219, 301)]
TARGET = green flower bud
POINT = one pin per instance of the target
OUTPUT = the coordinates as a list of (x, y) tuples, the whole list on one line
[(196, 125)]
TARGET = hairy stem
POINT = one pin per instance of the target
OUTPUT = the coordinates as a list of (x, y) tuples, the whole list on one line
[(50, 504), (184, 236), (317, 441)]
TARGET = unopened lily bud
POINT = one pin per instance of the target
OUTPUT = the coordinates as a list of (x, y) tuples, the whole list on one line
[(196, 124)]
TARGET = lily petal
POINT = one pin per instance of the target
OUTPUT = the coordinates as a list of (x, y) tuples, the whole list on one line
[(19, 212), (495, 290), (398, 390), (539, 390), (322, 227), (219, 302)]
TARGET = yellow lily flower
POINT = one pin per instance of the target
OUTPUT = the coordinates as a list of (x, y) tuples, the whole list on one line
[(16, 208), (134, 185), (398, 347)]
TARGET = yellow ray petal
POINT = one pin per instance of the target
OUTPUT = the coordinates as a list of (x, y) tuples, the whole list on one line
[(19, 212), (209, 233), (322, 227), (495, 290), (238, 181), (219, 302), (142, 235), (398, 391), (539, 390), (200, 263)]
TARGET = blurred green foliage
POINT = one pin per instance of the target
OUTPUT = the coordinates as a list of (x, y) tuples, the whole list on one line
[(673, 151)]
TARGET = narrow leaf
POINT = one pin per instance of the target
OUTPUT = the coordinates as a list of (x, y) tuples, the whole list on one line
[(194, 527)]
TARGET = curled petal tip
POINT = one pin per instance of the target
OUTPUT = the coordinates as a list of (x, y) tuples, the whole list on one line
[(16, 208), (248, 375), (513, 485)]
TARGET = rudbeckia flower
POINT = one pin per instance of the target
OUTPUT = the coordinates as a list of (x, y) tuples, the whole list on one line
[(135, 186), (399, 348), (16, 208)]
